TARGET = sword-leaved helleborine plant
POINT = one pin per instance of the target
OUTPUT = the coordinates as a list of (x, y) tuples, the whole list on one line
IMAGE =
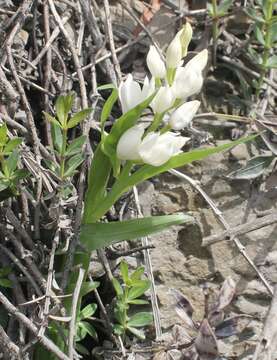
[(133, 150)]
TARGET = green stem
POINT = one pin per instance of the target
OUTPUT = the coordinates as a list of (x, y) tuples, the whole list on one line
[(3, 164), (155, 123), (170, 75), (267, 46), (214, 30), (63, 150)]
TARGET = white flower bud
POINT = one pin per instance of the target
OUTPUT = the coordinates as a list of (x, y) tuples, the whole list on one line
[(155, 64), (178, 47), (199, 61), (128, 144), (185, 38), (157, 149), (182, 116), (174, 53), (163, 100)]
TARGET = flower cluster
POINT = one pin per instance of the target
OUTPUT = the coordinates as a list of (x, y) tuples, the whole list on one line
[(173, 84)]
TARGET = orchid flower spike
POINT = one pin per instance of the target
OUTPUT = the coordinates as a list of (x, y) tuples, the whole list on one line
[(155, 63)]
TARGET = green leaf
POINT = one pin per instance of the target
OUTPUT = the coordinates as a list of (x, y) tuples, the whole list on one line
[(273, 32), (63, 106), (140, 319), (106, 87), (88, 311), (68, 102), (88, 329), (12, 144), (57, 137), (210, 9), (20, 174), (223, 7), (12, 161), (118, 329), (3, 134), (117, 287), (136, 275), (76, 145), (138, 302), (4, 271), (86, 288), (137, 291), (272, 62), (77, 118), (81, 349), (138, 333), (97, 235), (259, 34), (98, 179), (124, 271), (5, 283), (255, 167), (72, 164), (107, 108), (253, 14), (51, 119), (125, 122)]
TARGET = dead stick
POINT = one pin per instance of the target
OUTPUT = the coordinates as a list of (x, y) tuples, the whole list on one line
[(47, 343), (266, 348), (241, 229), (222, 220)]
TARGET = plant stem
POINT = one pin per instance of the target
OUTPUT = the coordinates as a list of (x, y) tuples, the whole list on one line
[(267, 46), (155, 123), (214, 30), (63, 150)]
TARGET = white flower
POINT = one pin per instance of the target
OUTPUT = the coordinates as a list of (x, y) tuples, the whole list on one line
[(148, 88), (163, 100), (128, 144), (155, 64), (186, 83), (156, 149), (178, 47), (199, 61), (182, 116), (131, 94), (189, 80)]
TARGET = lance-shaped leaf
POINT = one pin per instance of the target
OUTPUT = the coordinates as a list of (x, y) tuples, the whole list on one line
[(98, 178), (107, 108), (77, 118), (205, 342), (97, 235)]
